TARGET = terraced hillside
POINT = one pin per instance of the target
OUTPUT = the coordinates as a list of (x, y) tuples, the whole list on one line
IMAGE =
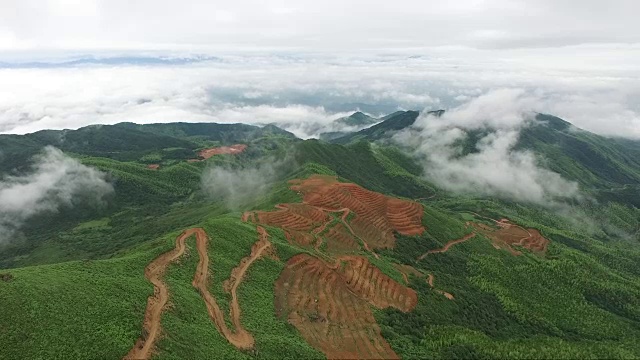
[(329, 302)]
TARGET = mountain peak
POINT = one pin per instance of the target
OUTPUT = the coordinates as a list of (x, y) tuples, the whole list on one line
[(358, 118)]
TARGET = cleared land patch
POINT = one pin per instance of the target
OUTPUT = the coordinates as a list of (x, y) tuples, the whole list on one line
[(506, 235), (233, 149), (375, 216), (330, 304)]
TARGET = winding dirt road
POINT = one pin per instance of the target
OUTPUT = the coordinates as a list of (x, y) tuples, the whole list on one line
[(241, 338), (447, 246), (156, 303), (430, 279)]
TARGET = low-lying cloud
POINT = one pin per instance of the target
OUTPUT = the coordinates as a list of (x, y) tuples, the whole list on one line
[(305, 92), (237, 187), (53, 182), (495, 168)]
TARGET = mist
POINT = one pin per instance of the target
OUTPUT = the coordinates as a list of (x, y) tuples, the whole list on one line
[(237, 187), (53, 181), (495, 168), (305, 93)]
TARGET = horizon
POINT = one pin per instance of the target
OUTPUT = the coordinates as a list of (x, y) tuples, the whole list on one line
[(70, 63)]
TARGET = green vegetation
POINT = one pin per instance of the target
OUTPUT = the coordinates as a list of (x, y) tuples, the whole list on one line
[(72, 283), (80, 309)]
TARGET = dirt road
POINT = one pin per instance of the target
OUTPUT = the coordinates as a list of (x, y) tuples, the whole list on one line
[(241, 338), (430, 279), (448, 245), (156, 303)]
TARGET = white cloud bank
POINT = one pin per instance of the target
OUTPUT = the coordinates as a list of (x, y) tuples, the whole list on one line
[(55, 181), (593, 87), (496, 168)]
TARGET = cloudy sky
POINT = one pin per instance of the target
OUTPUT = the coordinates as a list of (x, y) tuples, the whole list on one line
[(69, 63), (315, 24)]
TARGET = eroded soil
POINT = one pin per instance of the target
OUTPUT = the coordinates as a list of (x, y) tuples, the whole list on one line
[(375, 217), (330, 304), (505, 235), (233, 149), (329, 301)]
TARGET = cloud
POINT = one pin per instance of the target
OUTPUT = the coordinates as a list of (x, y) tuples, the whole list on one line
[(238, 187), (605, 115), (304, 93), (54, 181), (495, 168), (313, 24)]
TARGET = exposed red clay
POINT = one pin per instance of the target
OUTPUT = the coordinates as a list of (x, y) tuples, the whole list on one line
[(330, 304), (375, 216), (207, 153), (233, 149), (508, 234)]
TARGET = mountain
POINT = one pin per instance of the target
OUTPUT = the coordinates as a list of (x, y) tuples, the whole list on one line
[(246, 242), (357, 119), (130, 142), (605, 167), (393, 122)]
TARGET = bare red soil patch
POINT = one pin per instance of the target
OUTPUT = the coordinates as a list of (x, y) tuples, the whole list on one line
[(375, 216), (330, 304), (339, 240), (156, 303), (233, 149), (506, 235), (153, 166)]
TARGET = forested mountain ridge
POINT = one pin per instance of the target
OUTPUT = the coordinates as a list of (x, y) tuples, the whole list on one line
[(283, 233)]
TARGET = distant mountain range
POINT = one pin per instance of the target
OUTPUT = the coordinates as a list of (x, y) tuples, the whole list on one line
[(116, 60)]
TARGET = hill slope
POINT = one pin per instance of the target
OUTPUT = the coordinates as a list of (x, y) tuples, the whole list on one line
[(346, 252), (607, 168)]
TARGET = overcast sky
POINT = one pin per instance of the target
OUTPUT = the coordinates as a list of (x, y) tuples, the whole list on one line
[(303, 63), (312, 24)]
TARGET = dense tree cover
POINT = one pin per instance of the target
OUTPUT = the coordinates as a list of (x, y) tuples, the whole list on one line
[(365, 165)]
